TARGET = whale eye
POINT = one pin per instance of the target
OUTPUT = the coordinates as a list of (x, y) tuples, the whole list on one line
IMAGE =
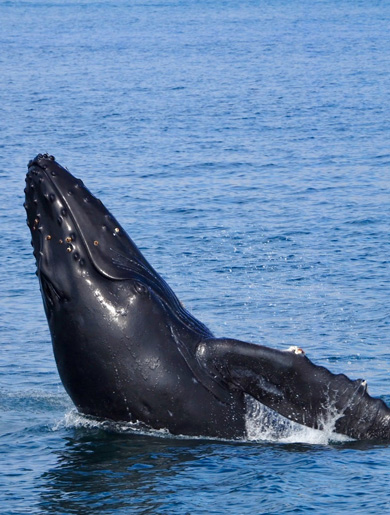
[(140, 288)]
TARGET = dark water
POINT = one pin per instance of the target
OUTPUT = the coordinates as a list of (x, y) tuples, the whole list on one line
[(245, 147)]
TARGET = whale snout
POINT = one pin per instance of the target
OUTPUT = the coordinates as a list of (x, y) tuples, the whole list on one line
[(55, 236), (40, 203), (39, 170), (69, 226), (40, 160)]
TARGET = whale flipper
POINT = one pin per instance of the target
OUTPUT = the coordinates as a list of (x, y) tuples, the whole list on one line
[(292, 385)]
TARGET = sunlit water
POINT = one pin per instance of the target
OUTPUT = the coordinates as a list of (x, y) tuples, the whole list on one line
[(245, 147)]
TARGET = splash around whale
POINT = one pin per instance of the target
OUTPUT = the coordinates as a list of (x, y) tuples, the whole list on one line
[(127, 350)]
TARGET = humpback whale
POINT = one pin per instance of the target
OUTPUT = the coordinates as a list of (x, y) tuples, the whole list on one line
[(127, 350)]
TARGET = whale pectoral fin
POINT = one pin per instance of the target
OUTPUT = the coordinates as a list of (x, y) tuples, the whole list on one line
[(292, 385)]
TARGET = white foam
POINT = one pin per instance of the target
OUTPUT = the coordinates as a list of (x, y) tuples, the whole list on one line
[(264, 424), (75, 420)]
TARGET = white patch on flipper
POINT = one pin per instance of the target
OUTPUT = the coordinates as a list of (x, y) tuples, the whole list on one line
[(201, 350), (295, 350)]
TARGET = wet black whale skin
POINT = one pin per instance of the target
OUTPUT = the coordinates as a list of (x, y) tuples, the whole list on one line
[(127, 350)]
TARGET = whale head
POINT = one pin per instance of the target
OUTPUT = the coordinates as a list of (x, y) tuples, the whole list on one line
[(73, 234)]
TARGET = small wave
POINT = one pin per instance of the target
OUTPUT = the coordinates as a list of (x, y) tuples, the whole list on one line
[(35, 401), (362, 221)]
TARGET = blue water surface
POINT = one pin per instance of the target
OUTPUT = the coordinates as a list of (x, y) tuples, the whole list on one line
[(245, 148)]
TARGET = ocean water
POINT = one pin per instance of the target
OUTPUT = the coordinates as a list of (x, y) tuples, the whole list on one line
[(245, 148)]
